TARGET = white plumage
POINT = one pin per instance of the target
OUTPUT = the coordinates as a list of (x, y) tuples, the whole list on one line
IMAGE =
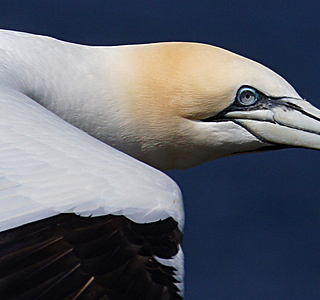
[(171, 105), (49, 167)]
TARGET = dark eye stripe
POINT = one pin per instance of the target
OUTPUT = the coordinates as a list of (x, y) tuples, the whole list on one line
[(248, 98)]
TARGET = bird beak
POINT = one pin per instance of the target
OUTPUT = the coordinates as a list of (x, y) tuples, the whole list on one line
[(287, 122)]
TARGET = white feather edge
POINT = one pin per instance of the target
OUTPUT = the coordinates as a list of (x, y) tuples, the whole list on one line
[(48, 167), (178, 263)]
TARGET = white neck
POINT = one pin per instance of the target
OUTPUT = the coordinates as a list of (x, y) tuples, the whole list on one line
[(73, 81)]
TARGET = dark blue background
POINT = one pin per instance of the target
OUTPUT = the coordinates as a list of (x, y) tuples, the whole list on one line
[(253, 222)]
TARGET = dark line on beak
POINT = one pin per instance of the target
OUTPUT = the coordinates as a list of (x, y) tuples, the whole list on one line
[(265, 148), (300, 109), (254, 134)]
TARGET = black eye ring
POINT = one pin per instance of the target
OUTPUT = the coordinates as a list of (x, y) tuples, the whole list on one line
[(247, 96)]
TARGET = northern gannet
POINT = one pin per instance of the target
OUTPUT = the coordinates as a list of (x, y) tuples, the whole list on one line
[(80, 219)]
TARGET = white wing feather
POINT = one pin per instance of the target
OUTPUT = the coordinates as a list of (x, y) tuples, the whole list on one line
[(47, 167)]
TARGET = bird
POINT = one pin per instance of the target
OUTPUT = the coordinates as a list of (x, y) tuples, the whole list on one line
[(86, 133)]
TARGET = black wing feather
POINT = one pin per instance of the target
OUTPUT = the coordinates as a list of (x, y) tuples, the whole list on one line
[(68, 257)]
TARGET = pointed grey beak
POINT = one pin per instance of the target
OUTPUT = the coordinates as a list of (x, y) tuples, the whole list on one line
[(287, 122)]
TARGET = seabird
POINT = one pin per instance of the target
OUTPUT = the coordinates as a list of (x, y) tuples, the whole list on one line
[(85, 212)]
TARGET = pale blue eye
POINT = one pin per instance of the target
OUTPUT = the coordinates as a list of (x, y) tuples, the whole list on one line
[(247, 96)]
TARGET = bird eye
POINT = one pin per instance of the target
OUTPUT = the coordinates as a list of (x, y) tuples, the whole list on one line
[(247, 96)]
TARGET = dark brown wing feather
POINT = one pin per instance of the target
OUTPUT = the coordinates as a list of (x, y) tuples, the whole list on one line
[(67, 257)]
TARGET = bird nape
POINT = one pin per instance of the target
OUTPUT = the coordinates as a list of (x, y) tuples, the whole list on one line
[(85, 212)]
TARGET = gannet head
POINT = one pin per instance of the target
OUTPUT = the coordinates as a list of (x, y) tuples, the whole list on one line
[(187, 103)]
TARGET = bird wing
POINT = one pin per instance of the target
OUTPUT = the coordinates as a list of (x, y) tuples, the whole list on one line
[(79, 219)]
